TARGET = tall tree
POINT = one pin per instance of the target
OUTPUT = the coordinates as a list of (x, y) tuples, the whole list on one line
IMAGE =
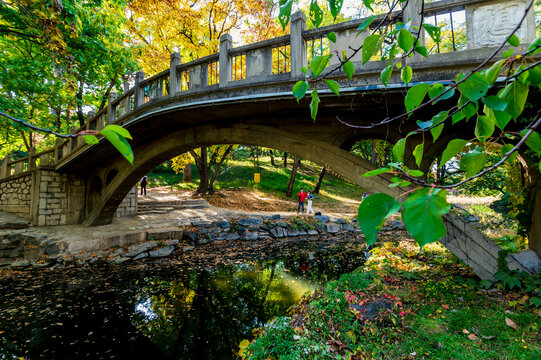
[(289, 190)]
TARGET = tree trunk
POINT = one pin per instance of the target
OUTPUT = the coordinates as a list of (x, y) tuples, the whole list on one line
[(292, 178), (373, 154), (319, 180), (224, 156), (79, 101), (272, 157), (285, 159), (201, 163), (187, 173)]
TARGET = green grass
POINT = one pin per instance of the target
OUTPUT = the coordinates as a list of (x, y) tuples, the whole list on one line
[(274, 179)]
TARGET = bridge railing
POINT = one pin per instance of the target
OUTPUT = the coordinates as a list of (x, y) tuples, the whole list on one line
[(32, 161), (280, 59)]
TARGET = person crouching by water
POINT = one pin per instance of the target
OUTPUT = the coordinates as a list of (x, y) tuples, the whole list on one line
[(302, 197), (144, 182), (309, 199)]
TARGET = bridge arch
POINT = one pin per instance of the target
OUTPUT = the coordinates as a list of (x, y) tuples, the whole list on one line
[(152, 154)]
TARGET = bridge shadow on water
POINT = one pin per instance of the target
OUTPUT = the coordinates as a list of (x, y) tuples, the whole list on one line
[(161, 310)]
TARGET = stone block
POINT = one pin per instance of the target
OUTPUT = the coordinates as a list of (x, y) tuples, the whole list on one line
[(332, 228), (232, 237)]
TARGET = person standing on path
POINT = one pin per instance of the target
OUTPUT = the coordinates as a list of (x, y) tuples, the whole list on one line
[(144, 182), (302, 197), (309, 199)]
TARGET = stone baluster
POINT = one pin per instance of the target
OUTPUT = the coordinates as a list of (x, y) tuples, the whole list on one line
[(72, 143), (58, 155), (298, 45), (226, 43), (90, 123), (139, 93), (174, 79), (5, 170), (413, 12), (32, 158), (111, 110)]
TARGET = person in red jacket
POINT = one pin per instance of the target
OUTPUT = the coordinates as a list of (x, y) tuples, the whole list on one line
[(302, 197)]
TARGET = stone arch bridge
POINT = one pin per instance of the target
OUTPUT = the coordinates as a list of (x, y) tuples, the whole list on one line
[(243, 95)]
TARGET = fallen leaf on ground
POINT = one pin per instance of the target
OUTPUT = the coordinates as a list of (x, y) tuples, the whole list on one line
[(511, 323), (464, 331), (473, 337)]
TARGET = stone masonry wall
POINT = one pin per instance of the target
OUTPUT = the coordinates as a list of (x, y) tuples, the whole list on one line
[(61, 199), (128, 206), (15, 195)]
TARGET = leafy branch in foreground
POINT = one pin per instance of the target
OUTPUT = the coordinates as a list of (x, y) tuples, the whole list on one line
[(115, 134), (490, 95)]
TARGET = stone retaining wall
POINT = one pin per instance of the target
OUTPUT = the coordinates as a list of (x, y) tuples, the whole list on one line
[(128, 206), (16, 195)]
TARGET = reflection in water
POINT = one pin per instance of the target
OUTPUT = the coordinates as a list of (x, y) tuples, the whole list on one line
[(146, 314)]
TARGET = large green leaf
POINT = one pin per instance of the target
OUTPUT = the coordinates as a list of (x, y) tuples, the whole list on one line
[(533, 141), (436, 131), (452, 149), (418, 154), (473, 162), (484, 128), (535, 76), (370, 46), (376, 172), (299, 89), (386, 74), (515, 95), (314, 104), (119, 142), (333, 86), (475, 87), (368, 4), (415, 96), (91, 139), (332, 36), (372, 214), (505, 149), (433, 31), (365, 24), (502, 118), (514, 40), (285, 12), (318, 64), (535, 46), (316, 14), (494, 103), (398, 149), (406, 74), (119, 130), (422, 215), (437, 89), (349, 68), (405, 39), (335, 7), (493, 73)]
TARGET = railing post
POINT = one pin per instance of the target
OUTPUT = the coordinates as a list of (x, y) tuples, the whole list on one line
[(4, 168), (72, 144), (89, 117), (139, 94), (111, 111), (225, 63), (174, 79), (57, 151), (298, 44), (413, 11), (31, 158)]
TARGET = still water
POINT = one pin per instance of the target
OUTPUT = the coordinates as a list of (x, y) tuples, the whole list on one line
[(159, 310)]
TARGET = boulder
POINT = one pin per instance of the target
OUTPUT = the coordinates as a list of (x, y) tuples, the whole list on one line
[(322, 218), (332, 228), (191, 236), (188, 248), (20, 264), (348, 227), (223, 224), (250, 221), (249, 235), (232, 237), (312, 232), (293, 232), (161, 252), (141, 256)]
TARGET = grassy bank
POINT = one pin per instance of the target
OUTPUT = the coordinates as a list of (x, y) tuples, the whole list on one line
[(404, 304), (334, 191)]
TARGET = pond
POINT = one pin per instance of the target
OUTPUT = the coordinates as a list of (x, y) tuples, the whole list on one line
[(168, 309)]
